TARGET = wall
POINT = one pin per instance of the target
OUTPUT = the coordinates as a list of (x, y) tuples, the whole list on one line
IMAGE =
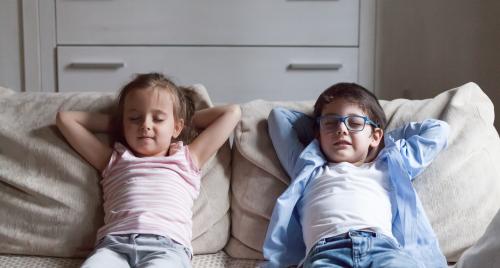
[(424, 47), (11, 69)]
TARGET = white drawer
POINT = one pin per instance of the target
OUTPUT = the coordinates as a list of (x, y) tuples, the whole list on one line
[(231, 74), (215, 22)]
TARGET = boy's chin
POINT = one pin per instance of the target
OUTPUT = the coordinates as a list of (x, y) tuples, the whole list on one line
[(340, 159)]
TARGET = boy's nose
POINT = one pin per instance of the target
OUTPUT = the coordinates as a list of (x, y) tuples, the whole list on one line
[(341, 127)]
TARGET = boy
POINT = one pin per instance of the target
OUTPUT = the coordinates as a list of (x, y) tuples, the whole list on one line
[(351, 202)]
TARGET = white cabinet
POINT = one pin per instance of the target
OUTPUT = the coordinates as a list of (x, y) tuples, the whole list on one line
[(239, 49), (231, 74), (215, 22)]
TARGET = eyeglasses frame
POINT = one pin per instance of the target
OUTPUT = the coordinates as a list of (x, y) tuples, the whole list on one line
[(344, 118)]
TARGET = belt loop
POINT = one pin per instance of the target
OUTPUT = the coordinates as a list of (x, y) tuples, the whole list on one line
[(350, 233), (133, 237)]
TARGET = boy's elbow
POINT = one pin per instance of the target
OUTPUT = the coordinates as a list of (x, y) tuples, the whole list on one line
[(276, 113), (440, 132), (445, 133), (446, 127), (273, 116)]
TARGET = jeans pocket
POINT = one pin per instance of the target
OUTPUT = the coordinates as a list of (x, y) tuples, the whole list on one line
[(165, 241), (391, 241)]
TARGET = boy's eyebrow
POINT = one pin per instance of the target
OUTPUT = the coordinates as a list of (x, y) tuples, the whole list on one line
[(336, 114)]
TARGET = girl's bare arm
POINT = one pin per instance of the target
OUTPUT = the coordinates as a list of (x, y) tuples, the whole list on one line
[(78, 128), (218, 124)]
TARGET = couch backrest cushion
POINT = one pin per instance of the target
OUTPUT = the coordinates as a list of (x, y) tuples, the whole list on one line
[(50, 199), (484, 253), (460, 190)]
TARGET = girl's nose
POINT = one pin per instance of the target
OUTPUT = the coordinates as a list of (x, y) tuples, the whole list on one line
[(146, 124)]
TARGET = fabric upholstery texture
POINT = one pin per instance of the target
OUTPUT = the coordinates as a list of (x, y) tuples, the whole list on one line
[(50, 197), (216, 260), (485, 252), (460, 190)]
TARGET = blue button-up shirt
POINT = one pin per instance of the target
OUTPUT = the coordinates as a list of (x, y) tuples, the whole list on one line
[(408, 150)]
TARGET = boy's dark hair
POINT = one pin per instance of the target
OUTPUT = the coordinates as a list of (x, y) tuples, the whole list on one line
[(356, 94), (181, 97)]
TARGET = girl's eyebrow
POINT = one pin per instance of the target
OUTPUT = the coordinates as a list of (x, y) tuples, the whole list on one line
[(132, 110), (159, 111), (156, 111)]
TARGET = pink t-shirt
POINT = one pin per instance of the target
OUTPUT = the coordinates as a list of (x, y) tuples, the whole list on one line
[(150, 195)]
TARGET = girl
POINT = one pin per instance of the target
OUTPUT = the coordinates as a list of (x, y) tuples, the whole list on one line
[(351, 203), (150, 178)]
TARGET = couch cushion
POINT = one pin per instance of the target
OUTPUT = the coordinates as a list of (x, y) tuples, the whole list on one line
[(484, 253), (50, 197), (216, 260), (460, 190)]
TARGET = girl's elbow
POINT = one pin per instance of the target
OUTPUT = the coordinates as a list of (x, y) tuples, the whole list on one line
[(235, 111), (60, 118)]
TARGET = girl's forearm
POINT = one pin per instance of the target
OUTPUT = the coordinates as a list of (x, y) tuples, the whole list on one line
[(94, 122), (205, 117), (218, 124), (78, 128)]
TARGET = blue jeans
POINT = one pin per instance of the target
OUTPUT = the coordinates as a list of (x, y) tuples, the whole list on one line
[(138, 250), (358, 249)]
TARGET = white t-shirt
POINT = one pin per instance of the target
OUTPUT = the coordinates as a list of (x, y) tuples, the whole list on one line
[(346, 197)]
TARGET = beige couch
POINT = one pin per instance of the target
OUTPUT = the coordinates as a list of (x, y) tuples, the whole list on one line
[(51, 205)]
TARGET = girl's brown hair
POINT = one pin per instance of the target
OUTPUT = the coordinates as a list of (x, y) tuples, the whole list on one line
[(181, 97)]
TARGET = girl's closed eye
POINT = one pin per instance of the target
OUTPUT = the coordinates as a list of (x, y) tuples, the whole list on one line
[(134, 118), (159, 119)]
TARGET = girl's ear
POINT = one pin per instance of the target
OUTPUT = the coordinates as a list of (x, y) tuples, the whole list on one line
[(178, 126)]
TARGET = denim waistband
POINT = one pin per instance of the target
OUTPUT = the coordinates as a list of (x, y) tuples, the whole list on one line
[(346, 235)]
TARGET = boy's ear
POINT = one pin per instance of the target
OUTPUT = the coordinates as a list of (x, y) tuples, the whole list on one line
[(178, 126), (377, 135)]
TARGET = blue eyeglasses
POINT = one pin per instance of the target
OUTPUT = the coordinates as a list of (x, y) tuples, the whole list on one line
[(353, 123)]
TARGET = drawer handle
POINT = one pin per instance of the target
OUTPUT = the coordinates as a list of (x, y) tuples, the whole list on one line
[(314, 66), (97, 65)]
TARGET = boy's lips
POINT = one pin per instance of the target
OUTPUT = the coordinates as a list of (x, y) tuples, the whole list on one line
[(342, 142)]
